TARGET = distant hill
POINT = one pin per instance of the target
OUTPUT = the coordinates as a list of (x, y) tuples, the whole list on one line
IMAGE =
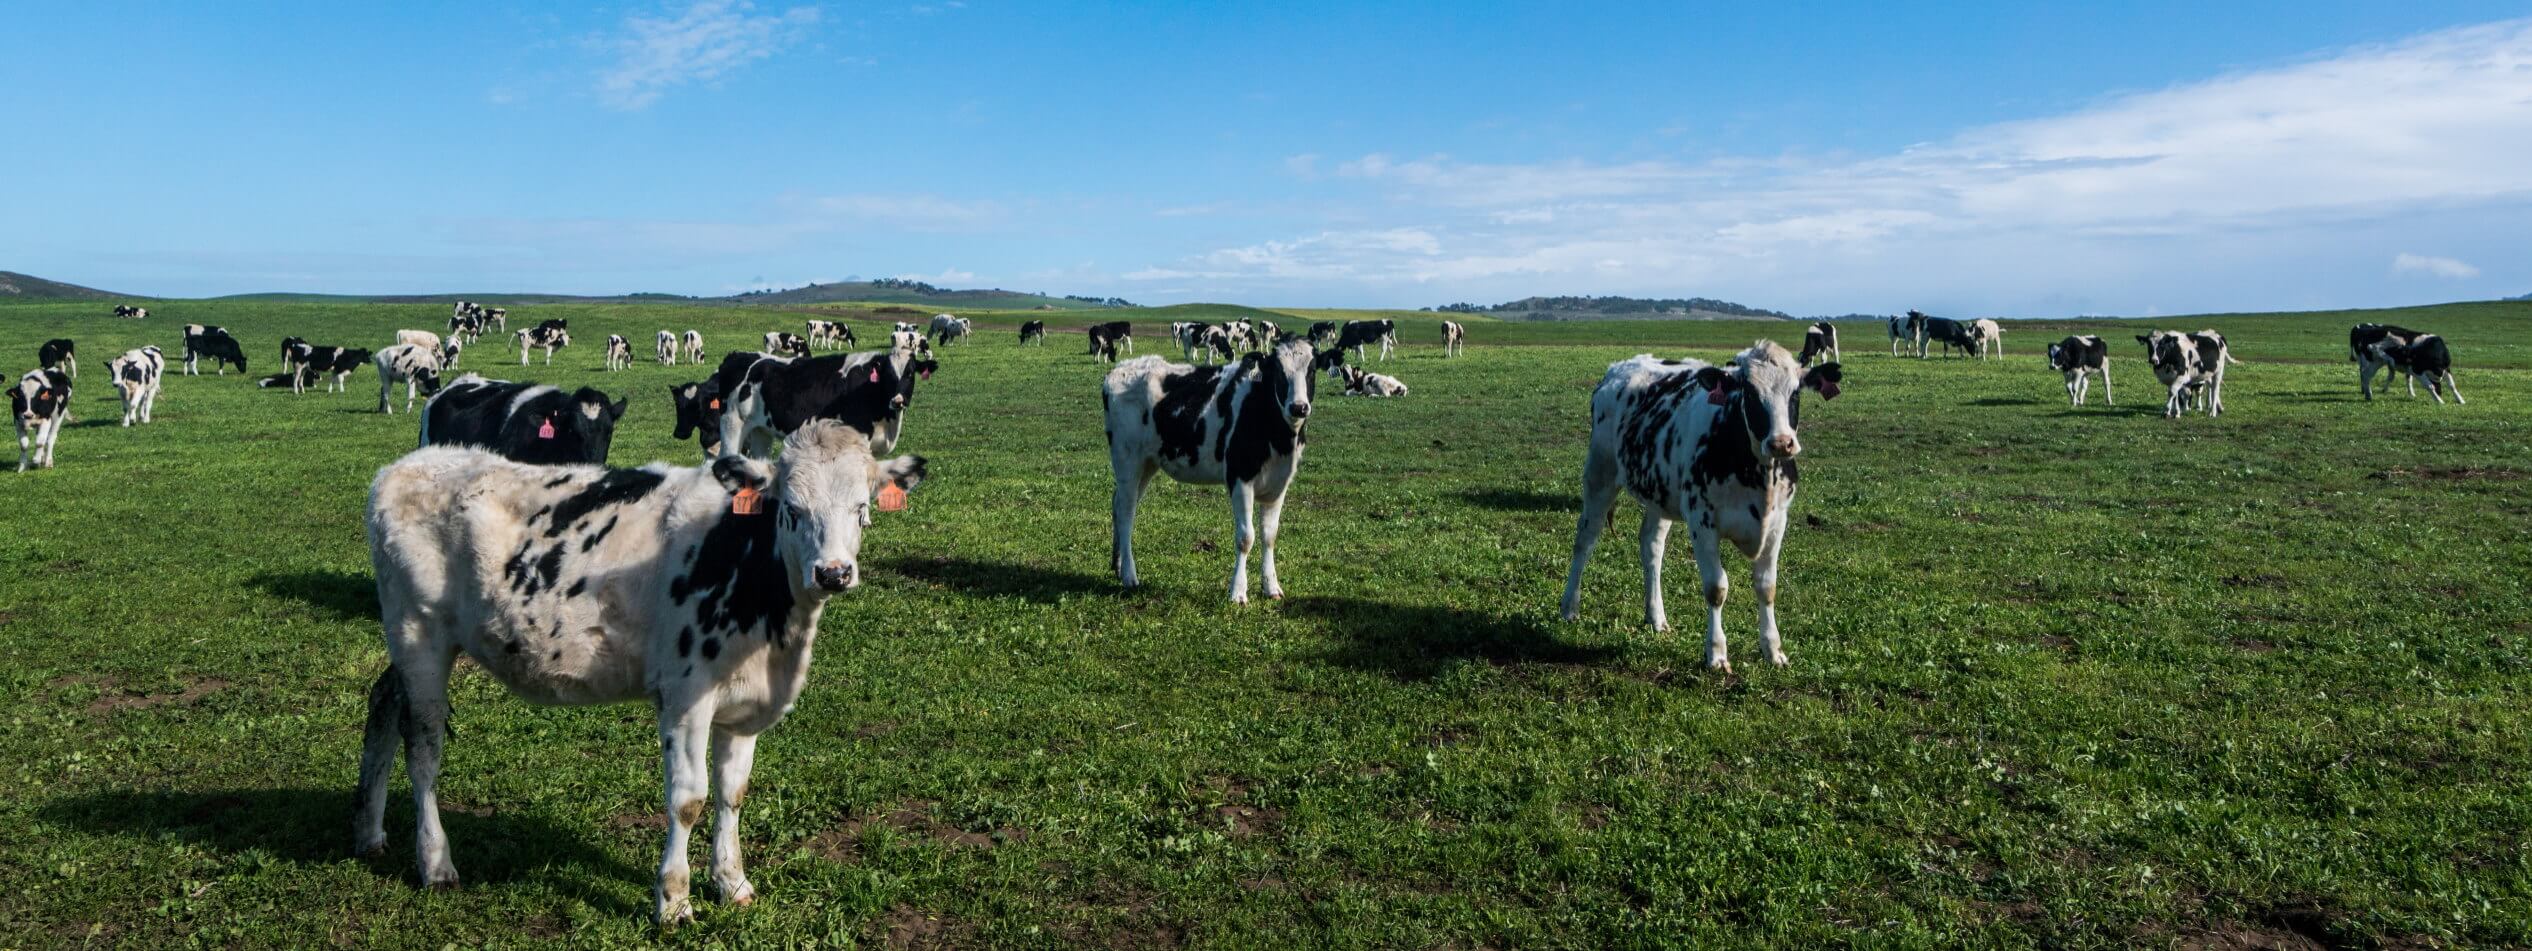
[(2524, 297), (16, 286), (1617, 308), (898, 291)]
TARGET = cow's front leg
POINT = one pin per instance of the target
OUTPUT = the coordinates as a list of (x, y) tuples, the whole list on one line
[(1763, 580), (1243, 535), (733, 757), (1652, 541), (1702, 541), (1271, 519), (685, 732)]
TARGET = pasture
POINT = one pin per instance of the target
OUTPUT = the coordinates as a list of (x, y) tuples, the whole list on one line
[(2060, 677)]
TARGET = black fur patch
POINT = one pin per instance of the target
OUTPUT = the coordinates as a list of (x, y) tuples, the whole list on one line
[(738, 581), (617, 487), (1179, 417)]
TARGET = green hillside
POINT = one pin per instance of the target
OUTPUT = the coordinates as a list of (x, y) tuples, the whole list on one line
[(16, 286)]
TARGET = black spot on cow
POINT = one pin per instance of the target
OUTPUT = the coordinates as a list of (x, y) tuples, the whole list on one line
[(711, 648), (1179, 417), (577, 586), (686, 641), (598, 536), (558, 481), (1257, 431), (617, 487), (739, 582), (512, 647)]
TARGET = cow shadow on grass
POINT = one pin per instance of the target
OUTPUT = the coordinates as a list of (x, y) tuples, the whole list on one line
[(2003, 401), (348, 596), (1520, 500), (2122, 409), (313, 827), (988, 579), (1419, 642)]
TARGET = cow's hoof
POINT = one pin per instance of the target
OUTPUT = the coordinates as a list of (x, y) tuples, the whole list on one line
[(1719, 664), (1239, 599), (676, 914), (443, 884), (1778, 659), (370, 850)]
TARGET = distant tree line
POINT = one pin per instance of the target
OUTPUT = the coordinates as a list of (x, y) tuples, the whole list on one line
[(1573, 307), (1101, 301)]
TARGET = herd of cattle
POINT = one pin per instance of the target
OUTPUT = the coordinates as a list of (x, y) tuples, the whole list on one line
[(506, 538)]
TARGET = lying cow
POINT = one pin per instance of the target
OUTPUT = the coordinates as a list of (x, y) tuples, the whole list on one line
[(2080, 358), (136, 377), (2191, 366), (619, 353), (698, 414), (40, 403), (207, 341), (2425, 357), (1454, 338), (1237, 426), (58, 354), (1819, 340), (783, 344), (1361, 382), (1710, 446), (1033, 332), (947, 329), (550, 338), (2360, 348), (411, 365), (1360, 333), (696, 589), (524, 421)]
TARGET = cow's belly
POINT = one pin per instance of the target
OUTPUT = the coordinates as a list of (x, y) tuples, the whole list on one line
[(1742, 516), (568, 653), (1201, 470)]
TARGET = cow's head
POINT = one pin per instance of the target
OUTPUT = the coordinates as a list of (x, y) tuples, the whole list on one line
[(593, 422), (1285, 372), (1762, 389), (2163, 349), (38, 395), (819, 494), (2058, 356)]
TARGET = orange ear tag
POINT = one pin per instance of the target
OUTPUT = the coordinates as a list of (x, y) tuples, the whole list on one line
[(746, 502), (716, 403), (891, 498)]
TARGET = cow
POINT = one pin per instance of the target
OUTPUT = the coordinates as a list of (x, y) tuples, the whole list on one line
[(1358, 333), (544, 335), (699, 413), (337, 364), (136, 376), (428, 341), (499, 318), (667, 347), (123, 310), (1330, 362), (906, 327), (58, 354), (524, 421), (40, 403), (949, 329), (450, 350), (1361, 382), (1323, 333), (829, 333), (1903, 333), (1710, 446), (1818, 340), (768, 398), (411, 365), (692, 346), (1946, 331), (2191, 366), (465, 323), (2360, 348), (1454, 337), (1238, 426), (698, 589), (619, 353), (1033, 332), (1986, 334), (1243, 337), (215, 343), (2426, 357), (2079, 358), (786, 344), (1112, 337), (306, 363)]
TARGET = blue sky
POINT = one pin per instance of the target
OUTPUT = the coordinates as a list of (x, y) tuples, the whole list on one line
[(1816, 158)]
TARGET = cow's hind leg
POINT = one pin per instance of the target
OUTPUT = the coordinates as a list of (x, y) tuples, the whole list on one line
[(1652, 541), (387, 725), (1132, 477), (425, 737), (1599, 494), (733, 758)]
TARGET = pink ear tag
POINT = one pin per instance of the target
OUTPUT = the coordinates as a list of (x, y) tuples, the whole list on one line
[(545, 430), (874, 374)]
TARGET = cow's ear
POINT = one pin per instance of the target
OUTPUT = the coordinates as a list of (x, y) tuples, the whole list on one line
[(1708, 378), (1824, 378), (737, 473), (2141, 338), (616, 411), (904, 472)]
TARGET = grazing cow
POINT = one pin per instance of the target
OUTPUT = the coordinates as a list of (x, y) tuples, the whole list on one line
[(58, 354), (1903, 333), (667, 348), (1986, 334), (785, 344), (2424, 358), (699, 414), (1454, 337), (205, 341), (499, 318), (1818, 340), (828, 333), (524, 421), (1119, 335), (1361, 382), (1323, 333), (1235, 426), (410, 365), (1946, 331), (764, 399), (949, 329), (698, 589), (1358, 333), (2080, 357), (2360, 348), (40, 403), (619, 353), (1710, 446), (544, 335), (1104, 346), (306, 363), (1033, 332), (136, 374), (450, 350), (1243, 337), (2191, 365), (464, 324), (692, 345), (424, 339)]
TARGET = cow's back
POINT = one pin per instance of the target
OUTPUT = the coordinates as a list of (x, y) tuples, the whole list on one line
[(1643, 422)]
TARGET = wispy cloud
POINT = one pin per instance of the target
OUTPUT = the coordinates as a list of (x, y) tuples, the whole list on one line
[(709, 39), (2407, 263)]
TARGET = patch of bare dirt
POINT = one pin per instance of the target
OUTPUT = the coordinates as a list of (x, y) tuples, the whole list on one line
[(1233, 809), (905, 926), (914, 818), (874, 729), (111, 701)]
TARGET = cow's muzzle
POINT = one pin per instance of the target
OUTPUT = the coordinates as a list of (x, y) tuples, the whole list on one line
[(1300, 409), (1784, 446), (838, 576)]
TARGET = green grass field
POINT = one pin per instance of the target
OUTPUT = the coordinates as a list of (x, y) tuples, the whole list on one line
[(2061, 678)]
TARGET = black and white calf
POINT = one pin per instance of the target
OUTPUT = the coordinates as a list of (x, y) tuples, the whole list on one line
[(1033, 332), (1952, 334), (544, 335), (450, 350), (1360, 333), (2360, 348), (1986, 335), (2191, 366), (619, 353), (207, 341), (692, 346), (2425, 357), (528, 422), (308, 363), (40, 403), (764, 399), (1111, 338), (947, 329), (58, 354), (698, 589), (2080, 358), (783, 344), (499, 318), (1710, 446), (667, 348), (1361, 382), (829, 333), (1454, 337), (1819, 340), (411, 365), (1235, 426), (698, 414), (136, 377)]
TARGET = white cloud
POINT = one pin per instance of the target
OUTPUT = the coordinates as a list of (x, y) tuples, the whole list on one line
[(2407, 263), (706, 41)]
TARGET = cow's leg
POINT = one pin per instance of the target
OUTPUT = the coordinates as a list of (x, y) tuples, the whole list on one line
[(1243, 535), (2457, 391), (2106, 398), (1708, 549), (1132, 477), (1651, 542), (387, 718), (386, 388), (685, 737), (1599, 493), (2075, 389), (425, 736), (733, 757), (2365, 377), (25, 448), (2215, 394), (1270, 516), (1763, 580)]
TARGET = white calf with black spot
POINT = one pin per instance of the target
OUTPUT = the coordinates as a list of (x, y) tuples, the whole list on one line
[(136, 377)]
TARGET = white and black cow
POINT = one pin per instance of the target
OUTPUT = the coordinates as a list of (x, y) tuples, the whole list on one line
[(2191, 366), (1323, 333), (550, 338), (2081, 357), (59, 353), (667, 347), (310, 363), (2360, 348), (764, 399), (1952, 334), (619, 353), (903, 327), (499, 318), (1904, 331), (947, 329), (1710, 446), (1361, 382), (2425, 357), (699, 414), (1236, 426), (1033, 332), (1360, 333), (1454, 338), (528, 422), (692, 346), (40, 403), (1819, 340), (783, 344), (697, 589), (1984, 335), (136, 313), (136, 377), (415, 367), (465, 323), (450, 350), (1111, 339), (829, 333), (206, 341)]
